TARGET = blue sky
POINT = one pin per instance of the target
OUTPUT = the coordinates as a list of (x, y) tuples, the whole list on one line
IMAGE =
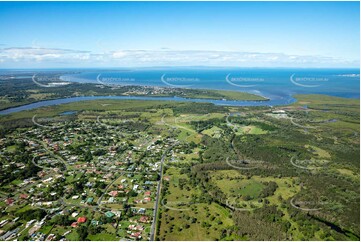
[(117, 34)]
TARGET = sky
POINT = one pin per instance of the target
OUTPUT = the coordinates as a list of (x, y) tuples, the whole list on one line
[(136, 34)]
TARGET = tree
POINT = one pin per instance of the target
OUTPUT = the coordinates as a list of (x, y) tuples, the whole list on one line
[(82, 232), (88, 156)]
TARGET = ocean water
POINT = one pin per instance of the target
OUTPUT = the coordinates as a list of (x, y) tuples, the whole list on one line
[(276, 83)]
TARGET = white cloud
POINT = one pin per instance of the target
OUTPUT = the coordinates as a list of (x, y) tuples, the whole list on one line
[(72, 58), (40, 54)]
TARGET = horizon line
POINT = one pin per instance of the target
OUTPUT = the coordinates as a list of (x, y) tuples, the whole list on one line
[(195, 66)]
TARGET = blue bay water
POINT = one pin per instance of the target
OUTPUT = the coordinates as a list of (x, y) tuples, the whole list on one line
[(272, 83)]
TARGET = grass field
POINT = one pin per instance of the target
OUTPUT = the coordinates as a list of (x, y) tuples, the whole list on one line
[(229, 95), (251, 129), (237, 187), (176, 193), (214, 132), (210, 220)]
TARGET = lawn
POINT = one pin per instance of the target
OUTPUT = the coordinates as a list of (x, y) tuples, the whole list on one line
[(102, 237), (11, 148), (72, 236)]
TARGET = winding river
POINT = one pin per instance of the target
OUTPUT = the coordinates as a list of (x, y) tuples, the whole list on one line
[(272, 102)]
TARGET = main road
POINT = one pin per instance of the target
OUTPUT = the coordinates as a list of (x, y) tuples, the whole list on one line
[(159, 188)]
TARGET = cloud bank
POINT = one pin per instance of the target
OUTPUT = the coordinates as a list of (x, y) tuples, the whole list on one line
[(27, 57)]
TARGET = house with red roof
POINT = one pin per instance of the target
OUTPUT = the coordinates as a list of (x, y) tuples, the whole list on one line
[(81, 220), (9, 201), (136, 235), (41, 174), (24, 196), (113, 193), (139, 227), (144, 219)]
